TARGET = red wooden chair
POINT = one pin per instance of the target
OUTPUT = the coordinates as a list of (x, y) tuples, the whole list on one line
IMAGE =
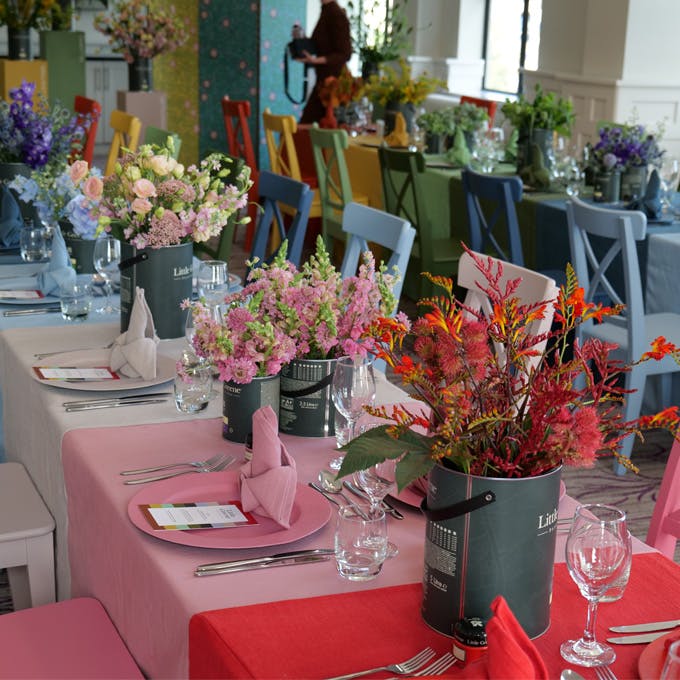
[(88, 112), (664, 528), (487, 104), (236, 114)]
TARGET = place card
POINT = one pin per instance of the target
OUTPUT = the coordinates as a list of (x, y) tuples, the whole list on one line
[(198, 515), (75, 373), (21, 294)]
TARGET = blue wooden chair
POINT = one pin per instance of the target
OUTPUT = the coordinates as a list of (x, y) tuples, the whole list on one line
[(634, 330), (277, 191)]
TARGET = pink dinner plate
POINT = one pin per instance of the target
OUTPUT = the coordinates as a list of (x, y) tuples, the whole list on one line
[(311, 511), (653, 656)]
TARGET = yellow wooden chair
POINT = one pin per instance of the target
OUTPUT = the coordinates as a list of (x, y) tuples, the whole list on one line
[(126, 131)]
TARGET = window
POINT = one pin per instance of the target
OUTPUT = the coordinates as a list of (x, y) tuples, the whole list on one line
[(511, 40)]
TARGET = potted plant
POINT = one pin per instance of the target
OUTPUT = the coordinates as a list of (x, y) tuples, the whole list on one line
[(20, 16), (397, 91), (439, 127), (338, 95), (158, 209), (141, 30), (537, 121), (497, 425), (386, 40)]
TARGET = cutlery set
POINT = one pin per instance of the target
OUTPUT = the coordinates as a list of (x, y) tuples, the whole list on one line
[(279, 560), (387, 506), (25, 311), (407, 667), (214, 464), (329, 496), (116, 402), (647, 632)]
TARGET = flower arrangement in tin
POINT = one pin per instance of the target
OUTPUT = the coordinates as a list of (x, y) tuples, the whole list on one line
[(22, 14), (341, 90), (397, 85), (626, 146), (498, 415)]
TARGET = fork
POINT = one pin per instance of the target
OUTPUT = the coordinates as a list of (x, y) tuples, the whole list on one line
[(604, 673), (193, 463), (44, 355), (404, 668), (215, 467), (442, 664)]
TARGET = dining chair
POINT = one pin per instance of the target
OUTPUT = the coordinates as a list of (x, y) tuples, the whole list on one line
[(664, 526), (222, 250), (88, 111), (279, 193), (335, 188), (126, 131), (533, 287), (240, 144), (487, 104), (159, 137), (279, 133), (601, 241), (402, 174)]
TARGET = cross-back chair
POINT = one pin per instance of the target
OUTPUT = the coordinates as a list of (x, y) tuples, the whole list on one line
[(401, 174), (276, 193), (335, 188), (601, 240), (240, 144), (88, 111), (126, 131), (159, 137)]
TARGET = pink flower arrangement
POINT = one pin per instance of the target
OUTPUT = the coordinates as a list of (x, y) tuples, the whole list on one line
[(139, 28), (284, 313), (151, 200)]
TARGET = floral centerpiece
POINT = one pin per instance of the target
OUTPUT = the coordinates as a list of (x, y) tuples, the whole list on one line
[(341, 90), (397, 85), (626, 146), (25, 14), (138, 28), (493, 414)]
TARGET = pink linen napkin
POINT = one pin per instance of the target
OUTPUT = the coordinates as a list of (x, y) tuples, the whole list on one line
[(511, 653), (134, 351), (269, 479)]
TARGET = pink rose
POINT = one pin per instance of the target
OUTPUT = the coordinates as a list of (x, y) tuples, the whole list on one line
[(77, 171), (143, 188), (141, 206), (93, 188)]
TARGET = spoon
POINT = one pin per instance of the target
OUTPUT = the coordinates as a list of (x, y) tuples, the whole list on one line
[(568, 674), (331, 485)]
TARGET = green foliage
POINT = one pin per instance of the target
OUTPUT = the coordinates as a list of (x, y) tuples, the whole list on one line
[(438, 122), (546, 112)]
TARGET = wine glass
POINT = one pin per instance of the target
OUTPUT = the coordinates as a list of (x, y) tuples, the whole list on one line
[(106, 258), (669, 174), (213, 283), (353, 388), (378, 481), (597, 552)]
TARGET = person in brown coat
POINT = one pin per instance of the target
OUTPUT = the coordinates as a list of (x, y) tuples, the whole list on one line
[(333, 42)]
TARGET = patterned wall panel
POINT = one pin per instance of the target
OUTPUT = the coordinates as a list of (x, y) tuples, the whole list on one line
[(177, 74)]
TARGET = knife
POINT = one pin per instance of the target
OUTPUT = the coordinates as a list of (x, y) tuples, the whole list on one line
[(32, 310), (641, 639), (645, 627), (279, 560), (390, 509), (127, 397), (112, 404)]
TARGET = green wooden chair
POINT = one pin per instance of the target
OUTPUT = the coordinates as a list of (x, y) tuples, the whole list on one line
[(335, 189), (158, 136), (223, 249), (402, 175)]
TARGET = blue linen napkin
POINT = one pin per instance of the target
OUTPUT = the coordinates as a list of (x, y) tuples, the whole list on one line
[(650, 203), (59, 270), (10, 218)]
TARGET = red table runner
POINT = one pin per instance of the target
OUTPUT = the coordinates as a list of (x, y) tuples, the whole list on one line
[(324, 636)]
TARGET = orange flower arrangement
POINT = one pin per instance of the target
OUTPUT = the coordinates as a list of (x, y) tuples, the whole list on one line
[(341, 90)]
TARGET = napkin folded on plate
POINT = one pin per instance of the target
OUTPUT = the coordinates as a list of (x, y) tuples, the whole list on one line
[(134, 351), (59, 270), (650, 203), (399, 136), (511, 654), (269, 479), (10, 218)]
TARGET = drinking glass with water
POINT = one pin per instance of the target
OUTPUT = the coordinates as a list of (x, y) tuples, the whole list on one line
[(32, 242), (75, 298)]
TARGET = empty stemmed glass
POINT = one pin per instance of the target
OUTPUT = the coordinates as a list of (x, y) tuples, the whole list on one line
[(213, 283), (597, 552), (106, 258), (669, 175), (353, 388), (378, 481)]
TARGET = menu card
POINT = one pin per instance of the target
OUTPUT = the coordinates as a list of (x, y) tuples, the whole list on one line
[(75, 373), (20, 294), (198, 515)]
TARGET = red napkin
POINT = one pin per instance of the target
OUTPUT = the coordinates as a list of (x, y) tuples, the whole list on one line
[(511, 653), (269, 479)]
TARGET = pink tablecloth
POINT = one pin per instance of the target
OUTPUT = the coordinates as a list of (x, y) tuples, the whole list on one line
[(354, 631)]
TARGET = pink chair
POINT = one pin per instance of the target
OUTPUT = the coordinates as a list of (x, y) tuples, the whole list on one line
[(664, 529), (69, 639)]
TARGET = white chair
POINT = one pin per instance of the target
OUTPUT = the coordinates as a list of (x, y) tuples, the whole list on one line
[(533, 287), (617, 232), (26, 539)]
